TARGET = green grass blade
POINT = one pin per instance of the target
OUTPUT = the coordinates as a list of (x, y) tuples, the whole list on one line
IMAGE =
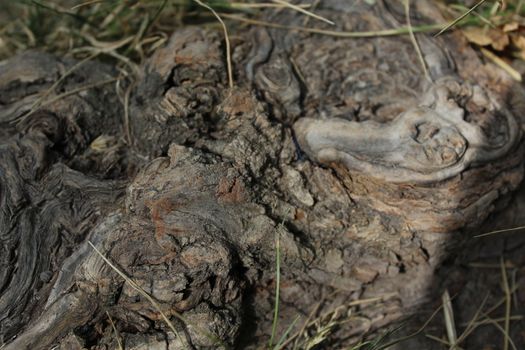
[(285, 335)]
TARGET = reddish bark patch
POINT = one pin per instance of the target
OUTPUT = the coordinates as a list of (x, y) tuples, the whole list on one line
[(158, 209), (231, 190)]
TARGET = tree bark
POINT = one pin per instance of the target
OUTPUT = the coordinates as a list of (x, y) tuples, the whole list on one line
[(368, 174)]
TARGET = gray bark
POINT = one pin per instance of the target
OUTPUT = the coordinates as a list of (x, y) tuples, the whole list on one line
[(370, 175)]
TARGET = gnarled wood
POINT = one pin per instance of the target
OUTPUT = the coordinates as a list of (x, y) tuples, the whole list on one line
[(368, 174)]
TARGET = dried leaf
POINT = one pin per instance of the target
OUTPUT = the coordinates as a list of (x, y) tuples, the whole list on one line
[(511, 27), (500, 40), (477, 36), (519, 42)]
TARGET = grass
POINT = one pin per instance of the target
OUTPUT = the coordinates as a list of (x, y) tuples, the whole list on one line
[(460, 18), (226, 39), (481, 317), (65, 30), (491, 233), (126, 32), (117, 334), (414, 41)]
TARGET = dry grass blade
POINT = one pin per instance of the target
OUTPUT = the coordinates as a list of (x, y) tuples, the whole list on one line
[(117, 335), (498, 320), (505, 334), (299, 9), (110, 18), (125, 102), (106, 46), (322, 333), (334, 33), (55, 7), (439, 340), (414, 41), (483, 265), (502, 64), (277, 285), (473, 321), (415, 334), (519, 228), (28, 32), (87, 3), (518, 7), (304, 326), (78, 89), (481, 319), (498, 304), (226, 39), (139, 290), (263, 5), (142, 292), (313, 7), (280, 343), (309, 322), (39, 102), (460, 18), (450, 324), (508, 303)]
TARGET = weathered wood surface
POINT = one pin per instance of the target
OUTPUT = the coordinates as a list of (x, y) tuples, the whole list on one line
[(371, 175)]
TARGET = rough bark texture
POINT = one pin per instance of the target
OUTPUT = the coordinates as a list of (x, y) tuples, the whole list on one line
[(371, 175)]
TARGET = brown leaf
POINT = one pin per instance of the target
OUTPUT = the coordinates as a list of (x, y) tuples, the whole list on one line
[(500, 40), (519, 44), (477, 36), (511, 27), (519, 41)]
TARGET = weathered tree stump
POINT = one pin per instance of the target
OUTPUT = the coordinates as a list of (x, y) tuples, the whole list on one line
[(370, 174)]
